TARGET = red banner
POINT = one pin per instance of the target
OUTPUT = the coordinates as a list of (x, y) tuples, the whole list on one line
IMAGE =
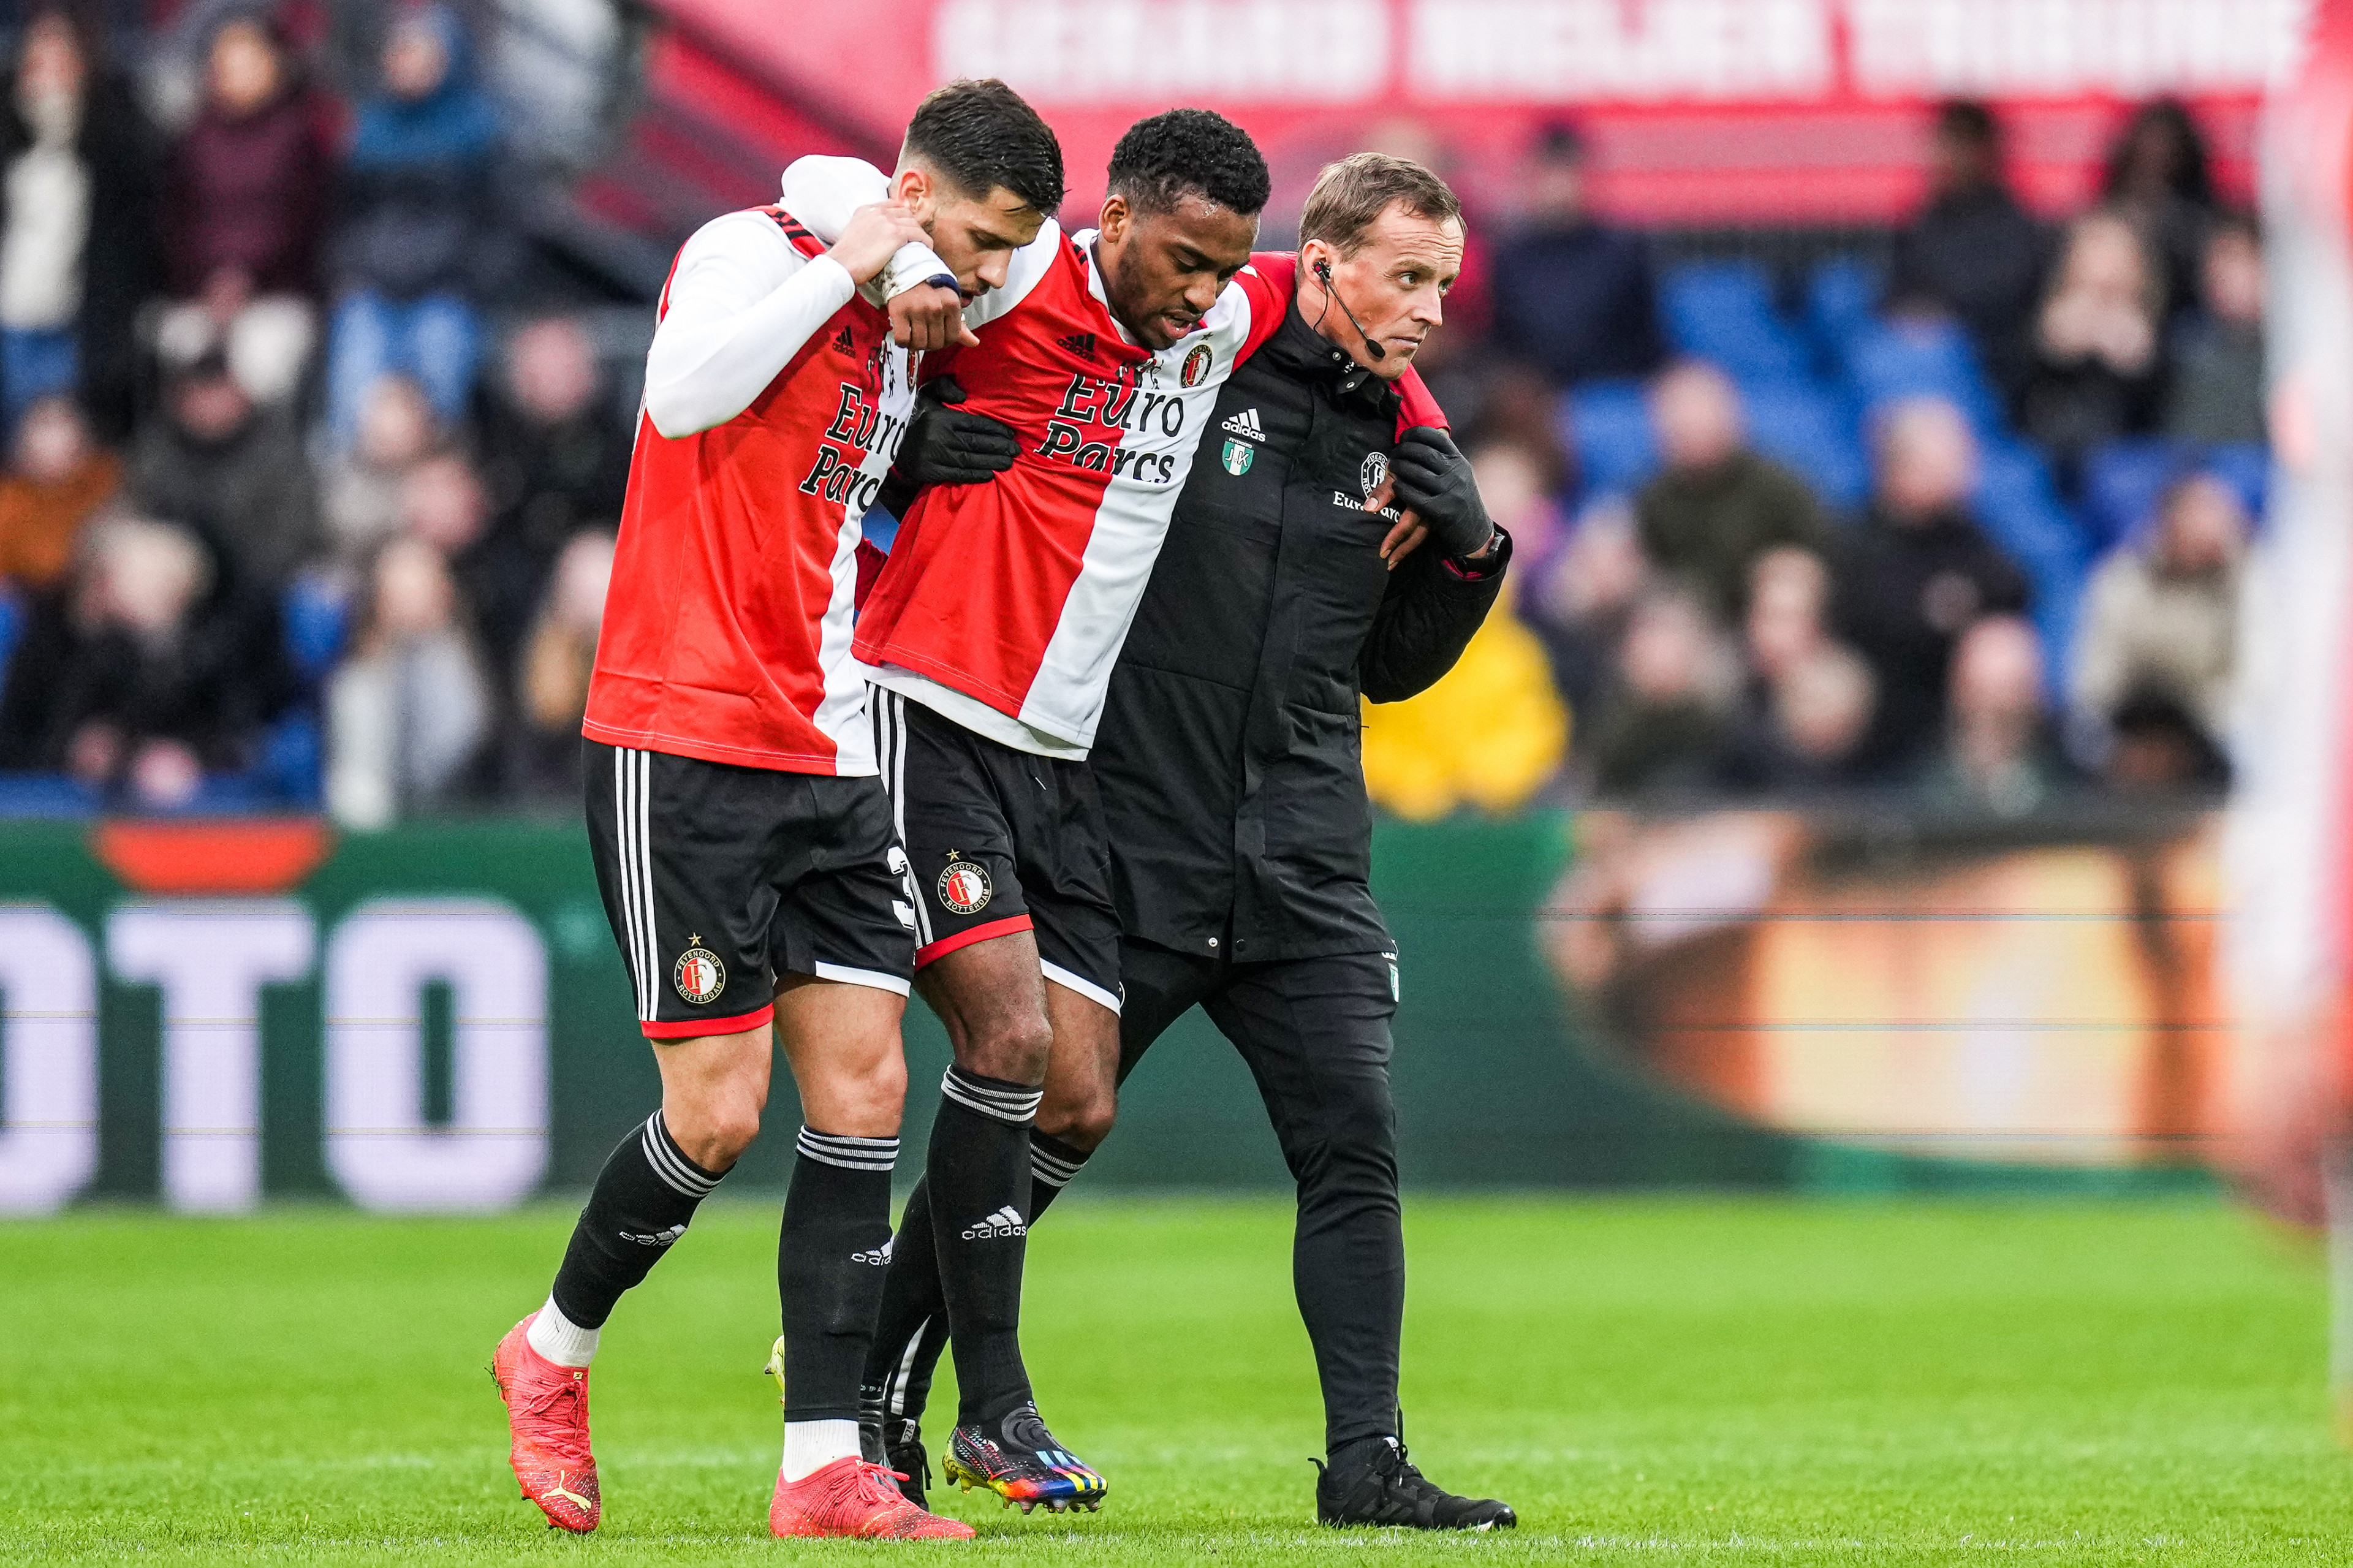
[(1699, 111)]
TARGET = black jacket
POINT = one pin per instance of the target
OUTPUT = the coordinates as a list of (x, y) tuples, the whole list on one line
[(1227, 755)]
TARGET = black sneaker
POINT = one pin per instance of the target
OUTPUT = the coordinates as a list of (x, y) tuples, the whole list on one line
[(1383, 1486), (903, 1453), (894, 1443), (1020, 1462)]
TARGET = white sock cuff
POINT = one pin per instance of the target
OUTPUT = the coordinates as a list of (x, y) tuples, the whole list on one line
[(811, 1445), (559, 1339)]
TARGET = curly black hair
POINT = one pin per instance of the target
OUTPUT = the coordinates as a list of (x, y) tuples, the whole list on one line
[(981, 134), (1197, 150)]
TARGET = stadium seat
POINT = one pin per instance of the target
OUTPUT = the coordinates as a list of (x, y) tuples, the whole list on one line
[(45, 795), (1842, 306), (2246, 469), (12, 625), (2122, 482), (1724, 311), (291, 763), (1608, 425), (2022, 511), (1806, 430), (316, 613), (1893, 360)]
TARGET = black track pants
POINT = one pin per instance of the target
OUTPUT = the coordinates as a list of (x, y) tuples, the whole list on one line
[(1316, 1035)]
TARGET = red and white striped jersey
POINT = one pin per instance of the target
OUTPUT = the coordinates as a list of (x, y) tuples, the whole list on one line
[(1003, 604), (774, 402)]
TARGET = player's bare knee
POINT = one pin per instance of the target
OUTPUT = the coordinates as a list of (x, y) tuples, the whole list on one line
[(1014, 1050), (1082, 1119), (715, 1134), (871, 1095)]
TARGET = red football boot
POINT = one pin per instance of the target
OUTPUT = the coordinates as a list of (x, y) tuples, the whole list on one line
[(547, 1412), (853, 1497)]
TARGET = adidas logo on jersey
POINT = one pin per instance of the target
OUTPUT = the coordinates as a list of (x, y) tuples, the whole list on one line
[(1005, 1222), (1080, 344), (880, 1257), (841, 342), (1244, 425)]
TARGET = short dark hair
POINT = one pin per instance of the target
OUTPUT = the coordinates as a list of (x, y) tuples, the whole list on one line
[(981, 134), (1969, 123), (1350, 197), (1196, 150)]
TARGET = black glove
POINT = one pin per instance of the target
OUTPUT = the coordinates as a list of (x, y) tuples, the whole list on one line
[(945, 446), (1433, 481)]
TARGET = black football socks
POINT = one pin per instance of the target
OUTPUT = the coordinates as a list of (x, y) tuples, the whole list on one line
[(913, 1328), (978, 1174), (644, 1199), (833, 1253)]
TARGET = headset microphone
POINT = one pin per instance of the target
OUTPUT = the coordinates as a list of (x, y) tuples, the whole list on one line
[(1323, 271)]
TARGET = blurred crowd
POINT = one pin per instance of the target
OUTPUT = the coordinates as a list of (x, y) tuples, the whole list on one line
[(1990, 561), (306, 503), (302, 503)]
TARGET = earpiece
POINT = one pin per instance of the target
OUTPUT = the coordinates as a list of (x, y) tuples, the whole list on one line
[(1323, 271)]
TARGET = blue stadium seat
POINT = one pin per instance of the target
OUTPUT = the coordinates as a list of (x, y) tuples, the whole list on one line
[(1921, 359), (2247, 469), (12, 627), (1806, 430), (2022, 511), (2122, 482), (1608, 425), (1724, 311), (45, 794), (316, 613), (291, 766), (1842, 306)]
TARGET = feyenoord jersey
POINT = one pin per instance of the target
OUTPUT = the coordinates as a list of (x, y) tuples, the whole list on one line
[(727, 629), (1003, 604)]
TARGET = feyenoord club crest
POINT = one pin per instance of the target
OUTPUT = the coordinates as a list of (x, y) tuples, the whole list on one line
[(1237, 457), (699, 976), (965, 887), (1372, 471), (1196, 365)]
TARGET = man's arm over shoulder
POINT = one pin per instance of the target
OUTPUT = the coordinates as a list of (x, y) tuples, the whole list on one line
[(825, 192), (740, 303), (1428, 616)]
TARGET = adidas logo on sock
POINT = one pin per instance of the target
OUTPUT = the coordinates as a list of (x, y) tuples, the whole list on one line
[(1005, 1222), (659, 1238), (1244, 423), (881, 1256), (1080, 344)]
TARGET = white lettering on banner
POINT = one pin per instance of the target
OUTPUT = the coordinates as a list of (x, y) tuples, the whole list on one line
[(1567, 51), (211, 956), (495, 1149), (1904, 49), (1096, 51), (48, 1059)]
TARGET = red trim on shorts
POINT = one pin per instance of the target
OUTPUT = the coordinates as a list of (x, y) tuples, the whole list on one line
[(948, 944), (692, 1028)]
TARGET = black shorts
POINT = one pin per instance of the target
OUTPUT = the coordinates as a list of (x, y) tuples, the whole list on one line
[(717, 878), (1001, 841)]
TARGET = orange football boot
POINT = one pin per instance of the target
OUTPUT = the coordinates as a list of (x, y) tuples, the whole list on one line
[(853, 1497), (547, 1412)]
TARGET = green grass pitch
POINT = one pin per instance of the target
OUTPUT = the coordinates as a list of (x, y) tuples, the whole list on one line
[(1648, 1380)]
